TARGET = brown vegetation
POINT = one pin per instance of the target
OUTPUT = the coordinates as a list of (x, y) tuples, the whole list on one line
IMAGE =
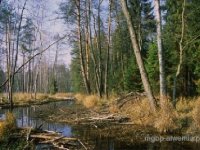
[(20, 99), (7, 126)]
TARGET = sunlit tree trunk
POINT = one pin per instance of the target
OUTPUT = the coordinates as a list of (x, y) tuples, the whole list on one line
[(163, 93), (82, 63)]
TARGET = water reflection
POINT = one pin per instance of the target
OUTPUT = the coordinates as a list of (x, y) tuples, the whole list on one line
[(26, 116)]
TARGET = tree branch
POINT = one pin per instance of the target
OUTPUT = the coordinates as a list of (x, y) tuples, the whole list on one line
[(17, 70)]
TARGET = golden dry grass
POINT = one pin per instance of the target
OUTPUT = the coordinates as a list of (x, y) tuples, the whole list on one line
[(166, 119), (7, 126), (90, 101), (196, 114), (79, 97), (140, 113), (62, 95), (23, 98)]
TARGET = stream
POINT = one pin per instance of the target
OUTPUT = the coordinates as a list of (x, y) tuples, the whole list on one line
[(28, 116)]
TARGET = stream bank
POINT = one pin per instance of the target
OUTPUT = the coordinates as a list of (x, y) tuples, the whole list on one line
[(97, 128)]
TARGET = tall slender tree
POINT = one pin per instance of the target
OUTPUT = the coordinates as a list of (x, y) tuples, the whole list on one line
[(163, 92), (140, 62)]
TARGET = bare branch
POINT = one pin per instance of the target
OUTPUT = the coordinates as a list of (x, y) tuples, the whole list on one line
[(39, 53)]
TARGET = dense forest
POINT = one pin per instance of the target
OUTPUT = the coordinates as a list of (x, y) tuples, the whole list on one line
[(104, 56)]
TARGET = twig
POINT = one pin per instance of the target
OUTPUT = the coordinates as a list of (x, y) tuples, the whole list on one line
[(28, 134), (82, 144), (4, 83)]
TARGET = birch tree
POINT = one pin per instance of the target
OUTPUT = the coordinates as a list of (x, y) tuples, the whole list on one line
[(163, 92)]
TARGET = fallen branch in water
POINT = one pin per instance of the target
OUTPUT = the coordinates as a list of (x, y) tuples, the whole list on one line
[(56, 139)]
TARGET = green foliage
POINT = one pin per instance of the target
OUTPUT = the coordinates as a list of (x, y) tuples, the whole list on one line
[(76, 77), (152, 66), (27, 37), (186, 83), (53, 86), (132, 79)]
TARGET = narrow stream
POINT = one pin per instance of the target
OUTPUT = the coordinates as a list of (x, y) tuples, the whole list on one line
[(26, 117)]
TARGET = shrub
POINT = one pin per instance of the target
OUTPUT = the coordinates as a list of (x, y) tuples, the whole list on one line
[(139, 112), (90, 101), (195, 114), (7, 126), (80, 97), (166, 119)]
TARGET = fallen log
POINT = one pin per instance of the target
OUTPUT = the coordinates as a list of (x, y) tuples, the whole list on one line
[(56, 139)]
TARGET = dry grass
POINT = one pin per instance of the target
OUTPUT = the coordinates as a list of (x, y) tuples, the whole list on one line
[(23, 98), (166, 119), (186, 105), (113, 108), (91, 101), (7, 126), (26, 97), (62, 95), (80, 97), (196, 114), (140, 113), (88, 101)]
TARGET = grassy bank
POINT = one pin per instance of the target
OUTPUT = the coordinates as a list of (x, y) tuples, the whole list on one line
[(23, 99), (184, 118)]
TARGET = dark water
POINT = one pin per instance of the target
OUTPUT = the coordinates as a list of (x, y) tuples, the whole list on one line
[(26, 117)]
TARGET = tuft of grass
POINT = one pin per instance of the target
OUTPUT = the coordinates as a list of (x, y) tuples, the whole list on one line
[(80, 97), (7, 126), (41, 96), (113, 108), (185, 105), (22, 97), (195, 114), (139, 112), (63, 95), (90, 101), (166, 119)]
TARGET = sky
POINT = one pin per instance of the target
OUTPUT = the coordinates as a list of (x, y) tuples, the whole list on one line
[(56, 26)]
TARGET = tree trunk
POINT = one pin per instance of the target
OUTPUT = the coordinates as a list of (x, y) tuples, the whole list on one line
[(83, 71), (181, 53), (163, 93), (100, 48), (108, 50), (139, 60), (96, 72)]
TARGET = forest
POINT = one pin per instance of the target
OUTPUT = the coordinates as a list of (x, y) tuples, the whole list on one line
[(129, 63)]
